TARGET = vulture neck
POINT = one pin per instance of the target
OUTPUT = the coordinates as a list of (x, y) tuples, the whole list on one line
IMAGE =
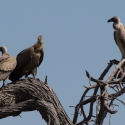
[(117, 25), (39, 46), (3, 50)]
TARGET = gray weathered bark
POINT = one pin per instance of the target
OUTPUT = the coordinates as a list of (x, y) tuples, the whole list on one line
[(32, 94)]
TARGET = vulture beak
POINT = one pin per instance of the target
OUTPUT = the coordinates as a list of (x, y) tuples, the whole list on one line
[(110, 20)]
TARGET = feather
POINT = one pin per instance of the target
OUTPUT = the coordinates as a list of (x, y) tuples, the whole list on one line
[(7, 64), (28, 60)]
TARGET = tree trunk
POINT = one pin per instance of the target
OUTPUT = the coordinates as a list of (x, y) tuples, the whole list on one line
[(32, 94)]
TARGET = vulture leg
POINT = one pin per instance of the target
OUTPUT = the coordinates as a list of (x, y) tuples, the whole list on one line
[(26, 76), (34, 72), (33, 76), (3, 83)]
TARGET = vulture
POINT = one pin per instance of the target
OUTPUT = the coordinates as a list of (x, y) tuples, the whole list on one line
[(119, 34), (7, 64), (28, 60)]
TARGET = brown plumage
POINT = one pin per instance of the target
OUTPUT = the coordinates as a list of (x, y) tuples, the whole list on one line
[(119, 34), (7, 64), (28, 60)]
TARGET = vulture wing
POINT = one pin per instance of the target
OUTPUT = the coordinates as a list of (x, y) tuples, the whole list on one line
[(119, 36), (5, 56), (115, 37), (7, 65), (23, 59), (41, 57), (4, 75)]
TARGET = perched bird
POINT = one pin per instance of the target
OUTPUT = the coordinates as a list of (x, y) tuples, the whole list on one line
[(28, 60), (7, 64), (119, 34), (119, 37)]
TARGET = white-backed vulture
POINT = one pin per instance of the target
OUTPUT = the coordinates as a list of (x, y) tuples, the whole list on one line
[(28, 60), (119, 34), (7, 64)]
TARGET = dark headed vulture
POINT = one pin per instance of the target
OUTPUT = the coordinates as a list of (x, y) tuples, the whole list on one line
[(119, 34), (28, 60), (7, 64)]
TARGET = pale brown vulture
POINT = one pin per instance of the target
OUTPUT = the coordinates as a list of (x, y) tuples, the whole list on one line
[(7, 64), (119, 34), (28, 60)]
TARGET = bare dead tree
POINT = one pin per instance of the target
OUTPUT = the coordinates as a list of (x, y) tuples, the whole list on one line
[(102, 99), (33, 94)]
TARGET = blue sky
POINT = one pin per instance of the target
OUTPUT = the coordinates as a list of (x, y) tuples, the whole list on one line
[(77, 37)]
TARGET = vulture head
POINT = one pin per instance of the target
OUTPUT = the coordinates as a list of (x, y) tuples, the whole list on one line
[(114, 19), (40, 41), (40, 38), (116, 22), (3, 49)]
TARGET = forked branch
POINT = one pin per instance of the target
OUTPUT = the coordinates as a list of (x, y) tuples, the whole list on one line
[(103, 107)]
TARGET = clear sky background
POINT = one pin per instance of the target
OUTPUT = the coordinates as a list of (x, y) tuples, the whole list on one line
[(77, 37)]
